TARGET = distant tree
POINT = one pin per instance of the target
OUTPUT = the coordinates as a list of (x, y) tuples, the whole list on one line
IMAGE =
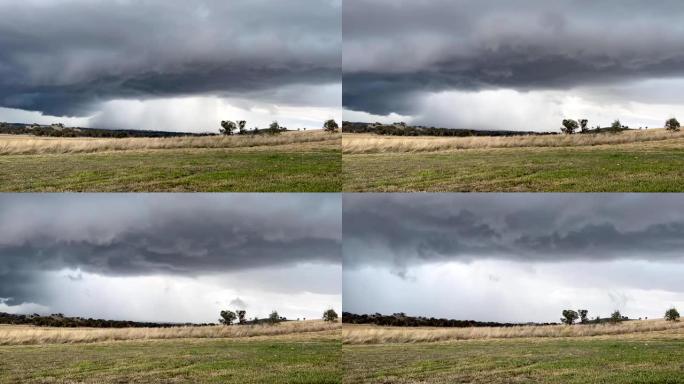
[(672, 314), (227, 127), (275, 128), (330, 126), (616, 126), (616, 317), (583, 124), (241, 127), (274, 318), (227, 317), (672, 125), (330, 315), (569, 317), (569, 126), (583, 315), (241, 315)]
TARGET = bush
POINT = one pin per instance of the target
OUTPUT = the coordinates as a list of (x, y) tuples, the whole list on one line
[(616, 317)]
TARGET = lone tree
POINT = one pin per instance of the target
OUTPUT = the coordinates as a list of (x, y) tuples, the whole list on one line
[(583, 124), (672, 125), (330, 315), (227, 317), (616, 317), (241, 127), (227, 127), (241, 315), (569, 317), (672, 314), (569, 126), (330, 126), (583, 315)]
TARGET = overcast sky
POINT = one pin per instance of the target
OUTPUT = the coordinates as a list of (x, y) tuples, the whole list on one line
[(523, 65), (171, 65), (166, 257), (513, 257)]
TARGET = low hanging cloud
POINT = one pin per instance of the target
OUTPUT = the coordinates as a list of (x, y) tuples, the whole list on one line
[(67, 58), (188, 235), (398, 232), (578, 47)]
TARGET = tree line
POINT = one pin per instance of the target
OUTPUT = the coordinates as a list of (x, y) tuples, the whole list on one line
[(239, 317), (59, 320), (59, 130), (403, 129), (402, 320)]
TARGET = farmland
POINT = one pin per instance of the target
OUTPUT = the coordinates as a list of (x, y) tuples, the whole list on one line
[(301, 352), (635, 161), (643, 351), (290, 162)]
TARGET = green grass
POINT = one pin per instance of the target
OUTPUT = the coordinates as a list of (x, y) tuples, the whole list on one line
[(645, 167), (565, 361), (175, 361), (204, 170)]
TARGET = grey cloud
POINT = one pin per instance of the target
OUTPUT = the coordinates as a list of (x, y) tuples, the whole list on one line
[(395, 50), (401, 231), (64, 57), (185, 235)]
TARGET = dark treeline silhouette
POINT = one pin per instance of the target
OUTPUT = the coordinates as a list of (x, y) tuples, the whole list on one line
[(59, 320), (402, 129), (402, 320), (59, 130)]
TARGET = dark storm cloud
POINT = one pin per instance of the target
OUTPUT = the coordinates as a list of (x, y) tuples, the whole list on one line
[(398, 231), (187, 235), (62, 57), (394, 50)]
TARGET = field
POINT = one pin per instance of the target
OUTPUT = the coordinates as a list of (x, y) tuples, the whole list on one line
[(305, 352), (635, 161), (634, 352), (290, 162)]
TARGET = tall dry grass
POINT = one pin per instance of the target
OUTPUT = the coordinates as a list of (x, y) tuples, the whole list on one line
[(382, 335), (31, 145), (370, 143), (27, 335)]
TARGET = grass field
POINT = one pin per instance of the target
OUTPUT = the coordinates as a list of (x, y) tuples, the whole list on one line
[(290, 357), (641, 357), (292, 162), (653, 162)]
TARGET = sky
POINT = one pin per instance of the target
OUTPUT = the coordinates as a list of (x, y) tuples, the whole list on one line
[(513, 257), (170, 65), (170, 257), (524, 65)]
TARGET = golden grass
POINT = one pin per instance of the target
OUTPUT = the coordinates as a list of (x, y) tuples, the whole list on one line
[(32, 145), (362, 334), (370, 143), (29, 335)]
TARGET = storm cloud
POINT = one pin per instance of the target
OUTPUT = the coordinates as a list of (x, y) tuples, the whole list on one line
[(254, 238), (405, 230), (69, 57), (397, 54)]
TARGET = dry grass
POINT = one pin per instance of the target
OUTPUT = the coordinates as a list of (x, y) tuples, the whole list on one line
[(353, 334), (370, 143), (32, 145), (29, 335)]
